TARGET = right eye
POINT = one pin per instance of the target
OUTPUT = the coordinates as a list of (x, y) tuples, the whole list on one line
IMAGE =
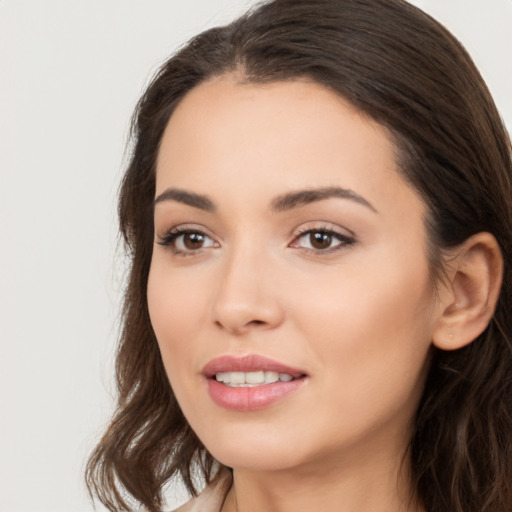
[(188, 241)]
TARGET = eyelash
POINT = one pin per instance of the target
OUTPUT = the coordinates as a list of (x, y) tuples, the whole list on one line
[(169, 240), (345, 240)]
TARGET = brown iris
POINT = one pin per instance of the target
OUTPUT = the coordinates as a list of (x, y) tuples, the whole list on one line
[(193, 241), (320, 240)]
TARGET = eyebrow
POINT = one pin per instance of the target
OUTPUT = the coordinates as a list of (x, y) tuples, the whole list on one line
[(281, 203), (188, 198), (304, 197)]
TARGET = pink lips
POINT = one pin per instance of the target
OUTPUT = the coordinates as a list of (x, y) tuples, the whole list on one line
[(249, 398)]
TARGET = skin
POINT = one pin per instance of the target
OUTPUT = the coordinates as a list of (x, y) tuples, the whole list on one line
[(358, 318)]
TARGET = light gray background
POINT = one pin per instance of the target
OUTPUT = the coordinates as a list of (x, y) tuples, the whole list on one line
[(71, 72)]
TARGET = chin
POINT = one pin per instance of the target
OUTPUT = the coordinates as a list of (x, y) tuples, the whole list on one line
[(255, 449)]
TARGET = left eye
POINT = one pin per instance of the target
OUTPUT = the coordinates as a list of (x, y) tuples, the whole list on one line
[(183, 242), (321, 240), (192, 241)]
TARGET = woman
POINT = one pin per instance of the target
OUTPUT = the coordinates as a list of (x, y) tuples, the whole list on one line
[(318, 210)]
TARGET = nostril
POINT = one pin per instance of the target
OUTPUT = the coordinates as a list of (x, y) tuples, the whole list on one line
[(241, 327), (237, 316)]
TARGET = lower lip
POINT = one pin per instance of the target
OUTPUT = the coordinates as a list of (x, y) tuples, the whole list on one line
[(253, 398)]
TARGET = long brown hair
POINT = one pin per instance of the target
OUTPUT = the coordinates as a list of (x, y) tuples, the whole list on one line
[(407, 72)]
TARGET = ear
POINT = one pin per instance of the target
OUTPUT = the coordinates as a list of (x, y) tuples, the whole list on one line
[(471, 292)]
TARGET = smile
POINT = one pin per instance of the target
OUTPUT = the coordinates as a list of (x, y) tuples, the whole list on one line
[(251, 379), (250, 383)]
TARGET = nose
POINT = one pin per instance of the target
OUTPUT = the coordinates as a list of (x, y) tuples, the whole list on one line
[(247, 296)]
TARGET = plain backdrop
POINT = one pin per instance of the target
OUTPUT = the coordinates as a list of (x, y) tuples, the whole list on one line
[(71, 72)]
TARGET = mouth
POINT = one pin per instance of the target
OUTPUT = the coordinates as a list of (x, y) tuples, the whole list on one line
[(251, 382), (250, 370), (252, 379)]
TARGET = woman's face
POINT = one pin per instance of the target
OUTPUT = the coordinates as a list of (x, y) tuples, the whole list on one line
[(286, 242)]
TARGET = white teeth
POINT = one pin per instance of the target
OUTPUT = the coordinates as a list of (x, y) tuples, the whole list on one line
[(271, 377), (251, 379), (237, 378), (255, 377)]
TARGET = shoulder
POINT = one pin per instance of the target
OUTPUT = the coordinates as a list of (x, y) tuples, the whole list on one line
[(212, 497)]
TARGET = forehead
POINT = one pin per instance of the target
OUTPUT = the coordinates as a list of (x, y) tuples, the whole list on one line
[(269, 138)]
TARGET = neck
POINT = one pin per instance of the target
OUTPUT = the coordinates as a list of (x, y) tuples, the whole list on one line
[(371, 484)]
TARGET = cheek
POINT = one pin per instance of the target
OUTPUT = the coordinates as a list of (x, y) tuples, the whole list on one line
[(371, 331), (177, 310)]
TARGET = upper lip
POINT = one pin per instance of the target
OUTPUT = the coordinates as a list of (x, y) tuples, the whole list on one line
[(249, 363)]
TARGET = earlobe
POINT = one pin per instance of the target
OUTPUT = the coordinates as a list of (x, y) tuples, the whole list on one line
[(472, 291)]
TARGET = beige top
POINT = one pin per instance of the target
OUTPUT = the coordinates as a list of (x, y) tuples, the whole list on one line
[(213, 496)]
